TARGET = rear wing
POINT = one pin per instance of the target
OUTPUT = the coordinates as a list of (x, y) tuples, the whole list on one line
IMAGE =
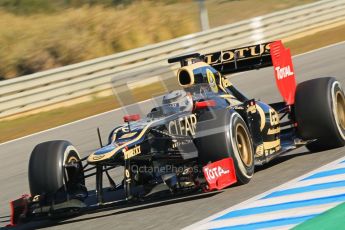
[(256, 57), (240, 59), (252, 57)]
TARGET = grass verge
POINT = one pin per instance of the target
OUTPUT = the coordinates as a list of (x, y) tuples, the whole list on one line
[(11, 129)]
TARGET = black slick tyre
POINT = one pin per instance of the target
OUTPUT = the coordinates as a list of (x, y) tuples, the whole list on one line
[(49, 173), (320, 113), (222, 134)]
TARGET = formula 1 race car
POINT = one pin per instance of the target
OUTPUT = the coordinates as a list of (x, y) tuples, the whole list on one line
[(204, 137)]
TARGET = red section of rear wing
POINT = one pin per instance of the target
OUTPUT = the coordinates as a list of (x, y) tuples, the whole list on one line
[(283, 71)]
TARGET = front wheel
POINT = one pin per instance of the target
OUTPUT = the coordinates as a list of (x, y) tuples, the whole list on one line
[(242, 146), (320, 113), (55, 171), (223, 134)]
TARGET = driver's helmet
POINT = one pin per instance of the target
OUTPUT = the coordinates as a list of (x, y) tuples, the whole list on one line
[(177, 101)]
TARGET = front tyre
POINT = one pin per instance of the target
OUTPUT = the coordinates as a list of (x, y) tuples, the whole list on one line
[(55, 170), (223, 134), (320, 113), (243, 152)]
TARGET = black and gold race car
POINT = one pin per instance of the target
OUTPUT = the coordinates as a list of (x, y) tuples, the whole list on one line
[(204, 137)]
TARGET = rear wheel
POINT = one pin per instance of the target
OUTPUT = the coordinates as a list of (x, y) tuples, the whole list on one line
[(55, 171), (223, 134), (320, 113)]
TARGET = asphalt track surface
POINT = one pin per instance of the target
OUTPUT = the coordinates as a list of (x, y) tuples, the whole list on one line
[(260, 84)]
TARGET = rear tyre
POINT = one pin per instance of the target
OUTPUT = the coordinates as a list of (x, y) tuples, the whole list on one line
[(55, 171), (320, 113), (222, 134)]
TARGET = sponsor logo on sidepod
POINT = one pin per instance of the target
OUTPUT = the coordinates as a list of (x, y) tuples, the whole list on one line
[(183, 126)]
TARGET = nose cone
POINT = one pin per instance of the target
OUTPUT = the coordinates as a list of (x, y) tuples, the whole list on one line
[(105, 149), (102, 153)]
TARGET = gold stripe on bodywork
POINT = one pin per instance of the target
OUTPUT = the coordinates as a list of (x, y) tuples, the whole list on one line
[(251, 109), (231, 99), (128, 135), (271, 144), (259, 150), (115, 132), (224, 83), (273, 131), (262, 117), (227, 96)]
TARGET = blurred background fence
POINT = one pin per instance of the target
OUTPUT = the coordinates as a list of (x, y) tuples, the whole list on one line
[(123, 69)]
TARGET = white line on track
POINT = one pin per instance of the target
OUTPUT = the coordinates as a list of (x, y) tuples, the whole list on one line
[(257, 197), (286, 227), (290, 213), (73, 122), (327, 179), (296, 197)]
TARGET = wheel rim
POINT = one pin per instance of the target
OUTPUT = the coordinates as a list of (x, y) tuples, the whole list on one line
[(70, 173), (243, 145), (71, 159), (340, 108)]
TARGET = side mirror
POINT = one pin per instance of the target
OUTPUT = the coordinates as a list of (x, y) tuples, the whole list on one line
[(132, 117), (204, 104)]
